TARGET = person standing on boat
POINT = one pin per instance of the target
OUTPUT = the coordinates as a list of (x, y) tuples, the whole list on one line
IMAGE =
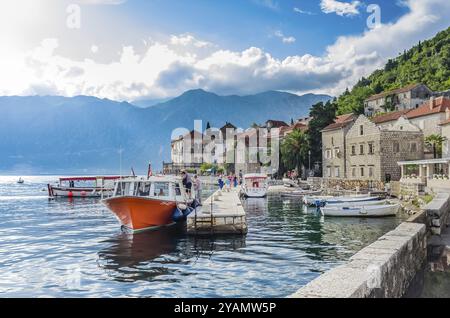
[(187, 182), (198, 189)]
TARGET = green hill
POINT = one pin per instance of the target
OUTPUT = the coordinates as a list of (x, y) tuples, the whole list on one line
[(428, 62)]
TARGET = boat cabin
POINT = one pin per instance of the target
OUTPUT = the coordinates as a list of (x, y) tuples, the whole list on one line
[(163, 188), (88, 182), (255, 181)]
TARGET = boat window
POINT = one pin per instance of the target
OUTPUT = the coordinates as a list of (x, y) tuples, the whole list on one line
[(144, 189), (122, 188), (161, 189)]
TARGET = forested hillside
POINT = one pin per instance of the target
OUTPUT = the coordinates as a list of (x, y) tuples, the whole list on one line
[(428, 62)]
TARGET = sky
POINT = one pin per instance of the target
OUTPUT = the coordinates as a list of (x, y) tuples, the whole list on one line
[(154, 49)]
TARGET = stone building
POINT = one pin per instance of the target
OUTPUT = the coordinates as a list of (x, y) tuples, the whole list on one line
[(334, 147), (429, 115), (409, 97), (373, 152)]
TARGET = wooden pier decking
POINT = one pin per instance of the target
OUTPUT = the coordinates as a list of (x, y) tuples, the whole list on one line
[(221, 213)]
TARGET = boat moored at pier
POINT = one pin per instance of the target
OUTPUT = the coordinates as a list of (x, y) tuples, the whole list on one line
[(148, 204), (319, 201), (361, 211), (255, 185)]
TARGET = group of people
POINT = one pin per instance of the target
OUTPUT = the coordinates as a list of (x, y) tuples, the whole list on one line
[(227, 182), (195, 184)]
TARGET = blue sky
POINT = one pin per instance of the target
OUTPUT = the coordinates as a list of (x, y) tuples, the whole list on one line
[(152, 49), (239, 24)]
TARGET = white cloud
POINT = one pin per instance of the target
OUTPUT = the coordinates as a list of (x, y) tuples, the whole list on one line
[(340, 8), (271, 4), (188, 40), (168, 67), (298, 10), (284, 39)]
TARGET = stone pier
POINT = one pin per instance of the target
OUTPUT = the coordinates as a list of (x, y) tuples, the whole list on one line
[(384, 269), (222, 213)]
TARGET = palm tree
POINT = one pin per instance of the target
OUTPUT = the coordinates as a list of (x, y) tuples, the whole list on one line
[(435, 141), (294, 150)]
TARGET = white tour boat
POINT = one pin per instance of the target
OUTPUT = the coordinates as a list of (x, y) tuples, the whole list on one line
[(255, 185), (83, 187)]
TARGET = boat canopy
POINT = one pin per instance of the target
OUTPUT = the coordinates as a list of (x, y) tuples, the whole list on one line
[(89, 178), (255, 176)]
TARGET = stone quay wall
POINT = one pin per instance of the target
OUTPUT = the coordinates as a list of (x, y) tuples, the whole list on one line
[(437, 212), (384, 269), (348, 184)]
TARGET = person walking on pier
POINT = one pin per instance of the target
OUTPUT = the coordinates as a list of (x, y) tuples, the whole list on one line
[(221, 184), (198, 189)]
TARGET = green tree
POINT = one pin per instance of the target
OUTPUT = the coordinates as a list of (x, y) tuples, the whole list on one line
[(294, 150), (322, 116), (436, 142)]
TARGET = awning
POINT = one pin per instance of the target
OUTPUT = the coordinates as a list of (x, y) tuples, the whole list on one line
[(425, 162)]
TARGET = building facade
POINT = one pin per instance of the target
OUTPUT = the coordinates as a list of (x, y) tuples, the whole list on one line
[(334, 147), (409, 97), (374, 152)]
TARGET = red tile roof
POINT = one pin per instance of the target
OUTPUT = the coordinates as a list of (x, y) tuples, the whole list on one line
[(440, 105), (389, 116), (277, 123), (287, 130), (392, 92), (341, 121)]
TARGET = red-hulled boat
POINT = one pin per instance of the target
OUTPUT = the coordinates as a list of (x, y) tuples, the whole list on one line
[(151, 203)]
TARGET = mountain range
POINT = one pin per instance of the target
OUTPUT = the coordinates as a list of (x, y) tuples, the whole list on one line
[(83, 135)]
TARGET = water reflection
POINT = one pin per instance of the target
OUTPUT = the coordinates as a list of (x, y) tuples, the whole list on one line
[(147, 255)]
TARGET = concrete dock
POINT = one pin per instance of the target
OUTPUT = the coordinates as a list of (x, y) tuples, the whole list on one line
[(221, 213)]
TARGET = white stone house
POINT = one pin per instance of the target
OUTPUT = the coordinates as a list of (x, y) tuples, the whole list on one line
[(409, 97), (334, 147)]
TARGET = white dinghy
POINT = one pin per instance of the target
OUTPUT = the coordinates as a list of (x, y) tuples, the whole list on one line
[(361, 211)]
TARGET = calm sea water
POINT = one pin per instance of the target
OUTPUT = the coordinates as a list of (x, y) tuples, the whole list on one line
[(74, 248)]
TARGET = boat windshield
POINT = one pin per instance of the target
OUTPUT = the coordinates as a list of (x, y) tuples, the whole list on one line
[(142, 189), (161, 189)]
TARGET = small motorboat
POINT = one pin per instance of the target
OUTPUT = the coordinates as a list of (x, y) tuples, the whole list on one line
[(20, 181), (255, 185), (361, 211), (289, 183), (156, 202), (353, 204), (322, 201), (312, 200)]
